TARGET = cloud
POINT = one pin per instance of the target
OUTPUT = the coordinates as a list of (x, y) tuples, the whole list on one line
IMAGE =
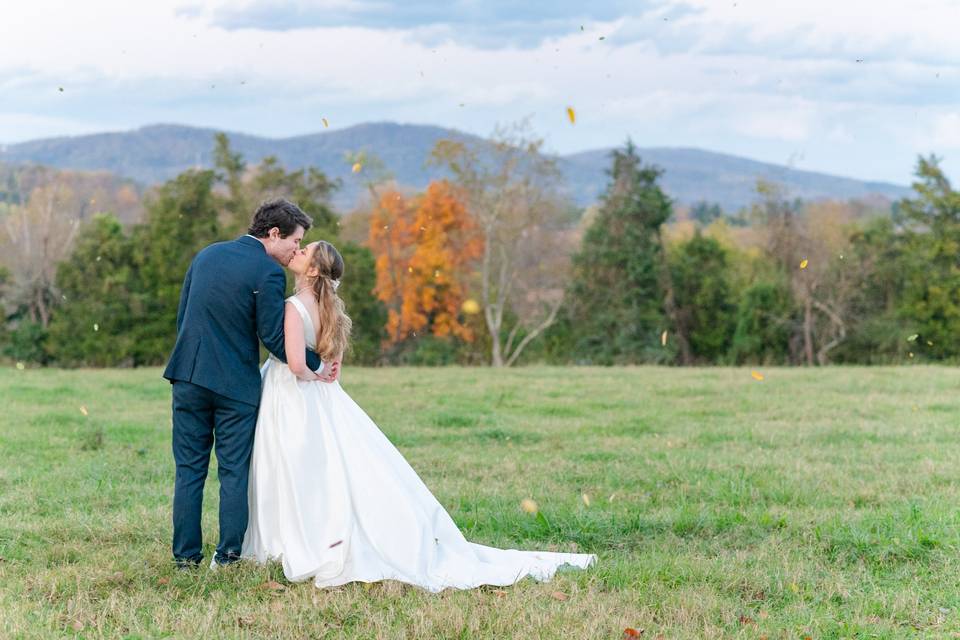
[(488, 24), (762, 79)]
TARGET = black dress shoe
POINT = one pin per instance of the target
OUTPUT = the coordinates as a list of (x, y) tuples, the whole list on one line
[(187, 565), (230, 558)]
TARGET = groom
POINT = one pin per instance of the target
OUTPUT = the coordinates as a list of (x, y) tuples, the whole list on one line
[(233, 294)]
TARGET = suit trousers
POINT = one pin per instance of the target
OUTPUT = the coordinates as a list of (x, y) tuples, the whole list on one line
[(202, 420)]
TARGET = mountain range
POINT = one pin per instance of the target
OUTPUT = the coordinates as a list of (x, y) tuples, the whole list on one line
[(155, 153)]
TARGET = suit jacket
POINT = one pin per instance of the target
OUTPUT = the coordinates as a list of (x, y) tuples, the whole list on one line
[(232, 294)]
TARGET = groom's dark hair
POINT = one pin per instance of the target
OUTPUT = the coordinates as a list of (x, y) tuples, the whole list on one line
[(279, 213)]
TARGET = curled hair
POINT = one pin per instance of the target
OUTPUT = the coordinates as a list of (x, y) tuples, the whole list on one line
[(279, 213), (333, 334)]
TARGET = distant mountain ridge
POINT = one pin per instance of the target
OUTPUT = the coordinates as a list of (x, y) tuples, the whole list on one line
[(156, 153)]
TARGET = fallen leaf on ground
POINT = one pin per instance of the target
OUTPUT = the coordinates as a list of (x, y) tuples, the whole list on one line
[(77, 625), (559, 595), (756, 375), (163, 581), (803, 263), (272, 585), (84, 411), (500, 593), (630, 632), (746, 620), (585, 498), (529, 505), (245, 620)]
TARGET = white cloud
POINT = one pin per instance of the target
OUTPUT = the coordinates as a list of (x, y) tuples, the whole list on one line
[(763, 78)]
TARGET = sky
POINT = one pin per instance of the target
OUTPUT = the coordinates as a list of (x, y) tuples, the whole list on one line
[(852, 87)]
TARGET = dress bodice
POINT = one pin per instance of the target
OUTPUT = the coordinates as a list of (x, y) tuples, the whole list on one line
[(309, 331)]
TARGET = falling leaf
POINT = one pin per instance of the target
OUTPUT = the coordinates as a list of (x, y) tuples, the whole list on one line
[(529, 505), (585, 498), (913, 338), (663, 338), (409, 269), (559, 595), (60, 89), (21, 366), (803, 263), (929, 344), (572, 115), (756, 375), (630, 632), (272, 585), (84, 411), (910, 354), (96, 327), (471, 307), (602, 38), (325, 123), (356, 167), (335, 544)]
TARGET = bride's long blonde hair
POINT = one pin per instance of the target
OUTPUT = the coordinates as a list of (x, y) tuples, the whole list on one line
[(333, 334)]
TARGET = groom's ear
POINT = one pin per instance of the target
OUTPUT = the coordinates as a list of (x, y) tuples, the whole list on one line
[(274, 233)]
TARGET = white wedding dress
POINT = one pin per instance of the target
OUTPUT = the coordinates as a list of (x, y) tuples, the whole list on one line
[(335, 502)]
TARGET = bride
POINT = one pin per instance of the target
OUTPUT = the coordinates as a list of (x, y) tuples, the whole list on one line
[(329, 496)]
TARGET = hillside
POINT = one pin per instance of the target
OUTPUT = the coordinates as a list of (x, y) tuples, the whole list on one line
[(155, 153)]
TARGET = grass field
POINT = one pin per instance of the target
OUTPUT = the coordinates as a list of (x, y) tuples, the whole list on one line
[(820, 503)]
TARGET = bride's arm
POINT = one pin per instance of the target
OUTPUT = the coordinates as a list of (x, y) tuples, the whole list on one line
[(295, 345)]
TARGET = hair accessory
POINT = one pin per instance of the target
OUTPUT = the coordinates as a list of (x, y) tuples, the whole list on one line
[(336, 284)]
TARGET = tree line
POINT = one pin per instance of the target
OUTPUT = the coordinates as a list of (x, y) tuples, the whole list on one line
[(495, 265)]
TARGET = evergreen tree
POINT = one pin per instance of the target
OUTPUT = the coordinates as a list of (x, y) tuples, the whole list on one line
[(703, 297), (181, 219), (101, 305), (616, 293), (764, 321), (367, 312), (932, 296)]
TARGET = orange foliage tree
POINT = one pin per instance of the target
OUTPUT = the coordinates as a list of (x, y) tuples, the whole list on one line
[(425, 250)]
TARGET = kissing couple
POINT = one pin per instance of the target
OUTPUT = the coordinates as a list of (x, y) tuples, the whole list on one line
[(306, 477)]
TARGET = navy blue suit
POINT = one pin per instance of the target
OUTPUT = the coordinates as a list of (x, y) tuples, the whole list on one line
[(232, 295)]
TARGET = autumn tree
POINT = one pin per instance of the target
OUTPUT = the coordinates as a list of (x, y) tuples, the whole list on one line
[(447, 244), (391, 238), (512, 191)]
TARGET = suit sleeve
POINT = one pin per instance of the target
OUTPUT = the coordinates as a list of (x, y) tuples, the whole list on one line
[(184, 294), (269, 309)]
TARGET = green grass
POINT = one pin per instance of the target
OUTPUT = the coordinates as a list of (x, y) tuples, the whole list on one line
[(821, 503)]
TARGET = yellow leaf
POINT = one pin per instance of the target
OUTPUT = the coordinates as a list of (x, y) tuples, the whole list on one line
[(794, 587), (756, 375), (83, 410), (356, 167), (21, 366), (325, 123), (470, 307), (585, 498), (96, 327), (803, 263), (663, 338), (529, 505), (572, 115)]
